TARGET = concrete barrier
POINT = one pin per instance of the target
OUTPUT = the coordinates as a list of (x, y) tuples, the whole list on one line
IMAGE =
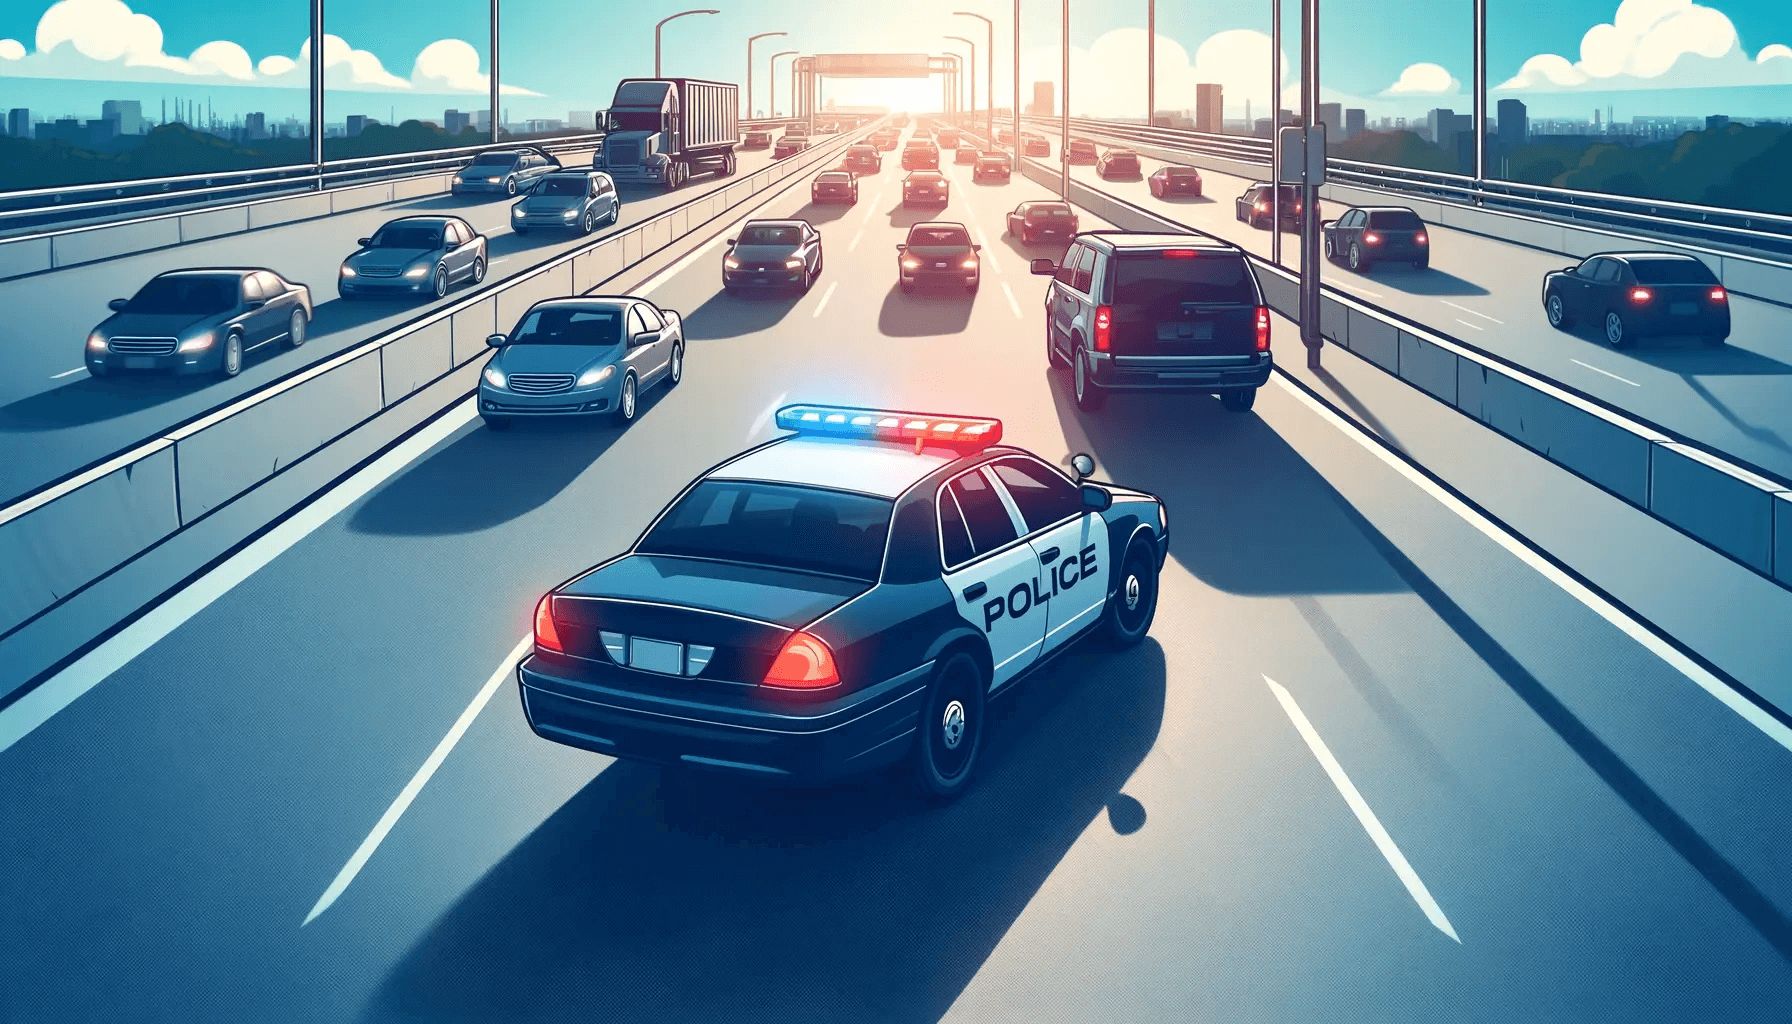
[(22, 256), (1376, 340), (289, 209), (472, 326), (58, 546), (211, 223), (1430, 367), (1334, 320), (514, 301), (1728, 508), (112, 240), (412, 361), (1782, 537), (359, 198), (427, 185)]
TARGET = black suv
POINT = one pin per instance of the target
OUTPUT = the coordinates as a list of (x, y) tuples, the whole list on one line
[(1148, 311)]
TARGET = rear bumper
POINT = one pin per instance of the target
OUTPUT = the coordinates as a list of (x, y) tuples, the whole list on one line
[(813, 742), (1211, 374), (1664, 322)]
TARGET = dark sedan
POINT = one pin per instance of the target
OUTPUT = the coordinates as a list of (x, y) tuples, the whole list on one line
[(504, 172), (1256, 206), (1082, 151), (1367, 235), (947, 138), (1633, 295), (885, 141), (773, 254), (834, 187), (862, 160), (926, 188), (992, 166), (920, 153), (756, 140), (1042, 219), (414, 256), (1034, 145), (200, 321), (939, 252), (1174, 180), (788, 147), (965, 154), (1118, 163)]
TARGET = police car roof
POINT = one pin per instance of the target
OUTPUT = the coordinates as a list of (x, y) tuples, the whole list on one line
[(882, 468)]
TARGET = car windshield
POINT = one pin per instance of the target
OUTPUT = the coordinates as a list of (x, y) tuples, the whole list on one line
[(1672, 271), (992, 159), (783, 525), (407, 236), (771, 234), (197, 295), (563, 187), (939, 236), (593, 326), (1151, 286), (495, 160), (1396, 220)]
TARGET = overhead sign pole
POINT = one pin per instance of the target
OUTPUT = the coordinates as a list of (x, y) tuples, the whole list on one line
[(1313, 172)]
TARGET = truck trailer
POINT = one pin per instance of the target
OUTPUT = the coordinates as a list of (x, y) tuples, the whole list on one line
[(661, 131)]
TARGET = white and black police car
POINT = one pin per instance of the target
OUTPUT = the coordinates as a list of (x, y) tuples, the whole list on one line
[(842, 598)]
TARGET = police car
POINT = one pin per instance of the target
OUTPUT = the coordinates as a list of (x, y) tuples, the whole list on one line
[(840, 599)]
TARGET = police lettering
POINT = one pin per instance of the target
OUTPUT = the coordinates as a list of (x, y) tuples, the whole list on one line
[(1024, 597)]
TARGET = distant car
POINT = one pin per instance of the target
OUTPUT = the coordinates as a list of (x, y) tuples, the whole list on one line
[(1632, 295), (756, 140), (581, 201), (1255, 208), (1083, 151), (992, 166), (788, 147), (1005, 136), (966, 154), (1161, 312), (1175, 180), (947, 138), (1367, 235), (1034, 145), (885, 141), (900, 120), (926, 188), (780, 254), (503, 172), (834, 187), (414, 256), (920, 153), (581, 357), (199, 321), (862, 160), (938, 252), (1118, 162), (1042, 219)]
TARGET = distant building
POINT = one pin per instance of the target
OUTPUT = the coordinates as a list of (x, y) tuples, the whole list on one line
[(583, 120), (535, 125), (357, 123), (255, 125), (482, 121), (1262, 128), (1210, 108), (1332, 116), (1440, 125), (456, 121), (66, 129), (128, 114), (18, 122), (1044, 99), (1716, 121), (1514, 125), (1355, 119)]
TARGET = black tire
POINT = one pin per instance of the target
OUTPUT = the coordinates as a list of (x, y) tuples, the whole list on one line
[(440, 283), (950, 736), (628, 399), (296, 326), (615, 215), (675, 366), (1555, 309), (1090, 396), (1617, 333), (1129, 612), (1326, 241), (479, 270), (497, 422), (588, 223), (1356, 261), (510, 186), (230, 359), (1239, 400)]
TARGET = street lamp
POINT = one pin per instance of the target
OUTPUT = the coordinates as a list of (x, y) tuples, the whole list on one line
[(763, 35), (771, 72), (1151, 63), (989, 54), (1064, 149), (656, 35), (973, 47)]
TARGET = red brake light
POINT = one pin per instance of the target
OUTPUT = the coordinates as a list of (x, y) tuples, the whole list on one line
[(1371, 237), (1419, 238), (1717, 295), (1262, 206), (547, 637), (1641, 295), (1263, 328), (1104, 328), (1181, 254), (805, 663)]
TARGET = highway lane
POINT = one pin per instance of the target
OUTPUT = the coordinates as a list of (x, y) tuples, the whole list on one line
[(55, 418), (1487, 292), (1154, 836)]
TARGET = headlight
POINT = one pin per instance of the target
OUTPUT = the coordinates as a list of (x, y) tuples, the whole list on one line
[(348, 271), (494, 376), (911, 264), (730, 262), (197, 342), (570, 215), (421, 270), (96, 342), (517, 211), (597, 376), (494, 181), (794, 262)]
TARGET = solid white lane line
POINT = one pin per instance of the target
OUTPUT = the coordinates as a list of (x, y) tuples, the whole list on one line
[(763, 419), (501, 259), (1472, 312), (418, 781), (825, 296), (1772, 727), (1465, 323), (854, 244), (1012, 303), (67, 373), (1608, 373), (1352, 286), (1360, 807), (62, 689)]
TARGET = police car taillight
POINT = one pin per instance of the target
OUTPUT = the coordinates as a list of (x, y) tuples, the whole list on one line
[(890, 425), (805, 663), (547, 637)]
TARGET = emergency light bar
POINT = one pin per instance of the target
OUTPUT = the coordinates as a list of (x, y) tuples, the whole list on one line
[(890, 425)]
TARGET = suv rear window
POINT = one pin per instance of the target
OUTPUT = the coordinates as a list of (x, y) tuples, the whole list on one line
[(1397, 220), (1672, 272), (1153, 286), (785, 526)]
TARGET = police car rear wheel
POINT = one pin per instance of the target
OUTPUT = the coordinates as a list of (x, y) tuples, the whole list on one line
[(1134, 604), (951, 733)]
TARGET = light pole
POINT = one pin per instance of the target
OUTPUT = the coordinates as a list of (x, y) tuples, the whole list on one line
[(1016, 55), (989, 54), (1151, 63), (973, 47), (763, 35), (495, 80), (1309, 192), (317, 91), (771, 73), (1275, 132), (1480, 94), (656, 40), (1064, 112)]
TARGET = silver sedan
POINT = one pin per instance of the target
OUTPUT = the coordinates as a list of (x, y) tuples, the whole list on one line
[(593, 355), (581, 201), (414, 256)]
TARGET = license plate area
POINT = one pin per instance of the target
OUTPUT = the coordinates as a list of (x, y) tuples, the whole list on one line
[(1684, 309), (1187, 330), (139, 363), (656, 656)]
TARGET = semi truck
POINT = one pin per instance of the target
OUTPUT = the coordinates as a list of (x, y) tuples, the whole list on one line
[(661, 131)]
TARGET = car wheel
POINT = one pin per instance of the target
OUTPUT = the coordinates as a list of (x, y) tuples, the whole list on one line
[(510, 186), (1616, 335), (615, 215), (230, 361), (625, 401), (441, 282), (588, 223), (675, 366), (1239, 400), (1557, 312), (479, 270), (497, 422), (295, 329), (1089, 395), (1356, 260), (951, 732), (1327, 242), (1134, 603)]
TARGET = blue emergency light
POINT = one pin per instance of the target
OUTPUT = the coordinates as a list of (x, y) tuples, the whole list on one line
[(890, 425)]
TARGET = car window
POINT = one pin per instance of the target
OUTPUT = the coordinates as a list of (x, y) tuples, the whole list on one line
[(984, 514), (1151, 287), (251, 288), (561, 186), (1672, 271), (1608, 271), (955, 537), (270, 285), (495, 160), (1085, 271), (1066, 274), (637, 324), (771, 234), (407, 236), (599, 326), (783, 525), (1396, 220), (939, 236), (1044, 497), (650, 317), (604, 185)]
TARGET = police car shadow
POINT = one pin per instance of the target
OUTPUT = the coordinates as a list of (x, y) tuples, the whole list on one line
[(929, 310), (661, 898), (1248, 514)]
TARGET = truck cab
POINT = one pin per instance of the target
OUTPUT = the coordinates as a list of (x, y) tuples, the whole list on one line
[(662, 131)]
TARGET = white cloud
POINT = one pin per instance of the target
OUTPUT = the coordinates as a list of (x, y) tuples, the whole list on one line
[(11, 49), (1108, 78), (276, 65), (222, 58), (348, 68), (452, 65), (1655, 44), (1424, 79)]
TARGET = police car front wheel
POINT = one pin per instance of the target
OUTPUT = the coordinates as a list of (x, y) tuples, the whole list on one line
[(950, 736), (1134, 603)]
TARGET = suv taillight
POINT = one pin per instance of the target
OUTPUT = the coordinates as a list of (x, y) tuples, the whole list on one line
[(1104, 328), (1263, 328)]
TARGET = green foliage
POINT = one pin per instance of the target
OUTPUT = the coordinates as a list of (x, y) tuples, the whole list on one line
[(1396, 148), (168, 150), (409, 137), (1734, 166)]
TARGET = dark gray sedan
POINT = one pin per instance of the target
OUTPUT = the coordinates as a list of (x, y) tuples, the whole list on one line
[(773, 254), (580, 200), (199, 321), (414, 256), (504, 172), (581, 357)]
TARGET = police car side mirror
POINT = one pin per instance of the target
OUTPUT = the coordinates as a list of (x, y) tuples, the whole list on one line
[(1080, 463), (1097, 498), (1044, 267), (494, 340)]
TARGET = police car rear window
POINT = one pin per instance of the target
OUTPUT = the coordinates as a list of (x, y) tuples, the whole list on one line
[(809, 529)]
